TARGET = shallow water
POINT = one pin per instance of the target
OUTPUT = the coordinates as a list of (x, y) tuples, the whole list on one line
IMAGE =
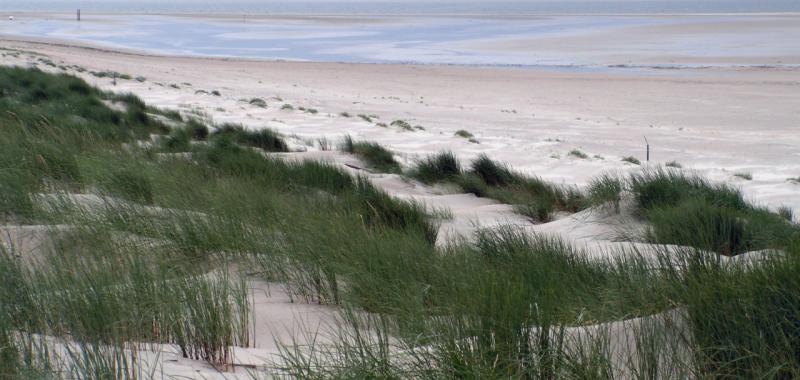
[(464, 40)]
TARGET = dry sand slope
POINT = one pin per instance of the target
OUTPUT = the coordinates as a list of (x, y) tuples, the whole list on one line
[(718, 121)]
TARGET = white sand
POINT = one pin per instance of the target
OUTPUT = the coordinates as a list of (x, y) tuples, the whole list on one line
[(716, 121)]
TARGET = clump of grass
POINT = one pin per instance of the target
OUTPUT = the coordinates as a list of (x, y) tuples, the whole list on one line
[(265, 139), (402, 124), (686, 209), (287, 107), (465, 134), (105, 74), (436, 168), (665, 187), (673, 164), (366, 118), (744, 175), (632, 160), (579, 154), (345, 114), (794, 179), (216, 93), (373, 153), (382, 125), (605, 190), (492, 172), (531, 196), (140, 79), (258, 102)]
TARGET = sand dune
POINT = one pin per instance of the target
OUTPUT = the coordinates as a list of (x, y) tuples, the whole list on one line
[(716, 121)]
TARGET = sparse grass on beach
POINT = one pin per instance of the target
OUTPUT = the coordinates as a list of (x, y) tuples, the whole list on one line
[(631, 160), (578, 153), (673, 164), (258, 102), (747, 176), (402, 124), (463, 133)]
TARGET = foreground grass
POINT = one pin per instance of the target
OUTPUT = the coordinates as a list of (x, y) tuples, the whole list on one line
[(153, 264)]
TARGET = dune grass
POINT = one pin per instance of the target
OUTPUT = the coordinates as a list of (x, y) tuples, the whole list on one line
[(436, 168), (375, 155), (464, 133), (258, 102), (686, 209), (631, 160), (606, 190), (155, 263), (578, 153), (265, 139), (402, 124), (530, 196)]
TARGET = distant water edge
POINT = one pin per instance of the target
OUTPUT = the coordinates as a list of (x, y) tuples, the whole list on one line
[(402, 7)]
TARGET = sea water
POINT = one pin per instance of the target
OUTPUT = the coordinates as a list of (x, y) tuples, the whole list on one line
[(404, 7), (443, 32)]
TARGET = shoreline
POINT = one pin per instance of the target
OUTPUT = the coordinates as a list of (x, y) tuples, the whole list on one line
[(612, 69), (367, 15)]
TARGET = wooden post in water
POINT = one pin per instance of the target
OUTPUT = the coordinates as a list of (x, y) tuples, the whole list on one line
[(79, 15), (648, 148)]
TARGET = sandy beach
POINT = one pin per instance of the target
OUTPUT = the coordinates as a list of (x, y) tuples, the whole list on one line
[(717, 121)]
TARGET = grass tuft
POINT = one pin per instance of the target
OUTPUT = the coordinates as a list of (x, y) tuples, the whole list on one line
[(375, 155), (402, 124), (631, 160), (437, 168), (463, 133), (579, 154), (265, 139), (258, 102)]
